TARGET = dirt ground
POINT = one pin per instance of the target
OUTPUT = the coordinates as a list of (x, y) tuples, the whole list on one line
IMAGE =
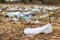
[(10, 31), (16, 34)]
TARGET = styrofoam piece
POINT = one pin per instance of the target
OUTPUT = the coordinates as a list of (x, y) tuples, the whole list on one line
[(44, 29)]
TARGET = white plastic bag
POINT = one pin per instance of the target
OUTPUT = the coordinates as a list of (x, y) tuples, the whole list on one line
[(44, 29)]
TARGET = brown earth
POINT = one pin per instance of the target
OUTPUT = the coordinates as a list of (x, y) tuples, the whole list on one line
[(14, 31)]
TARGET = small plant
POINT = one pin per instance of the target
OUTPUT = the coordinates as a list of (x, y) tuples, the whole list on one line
[(15, 16)]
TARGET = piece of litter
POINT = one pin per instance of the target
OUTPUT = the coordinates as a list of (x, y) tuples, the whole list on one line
[(44, 29), (15, 19), (35, 22)]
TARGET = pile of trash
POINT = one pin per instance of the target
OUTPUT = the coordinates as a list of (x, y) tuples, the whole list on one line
[(31, 8), (28, 14), (17, 15)]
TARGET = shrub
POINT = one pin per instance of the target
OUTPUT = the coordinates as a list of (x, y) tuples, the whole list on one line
[(2, 1)]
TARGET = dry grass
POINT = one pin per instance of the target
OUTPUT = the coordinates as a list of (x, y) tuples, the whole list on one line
[(14, 31), (9, 31)]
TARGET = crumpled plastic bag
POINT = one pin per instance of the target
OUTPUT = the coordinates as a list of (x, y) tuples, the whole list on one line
[(44, 29)]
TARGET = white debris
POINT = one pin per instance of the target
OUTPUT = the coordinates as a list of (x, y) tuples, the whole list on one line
[(20, 9), (26, 18), (25, 13), (11, 9), (0, 9), (12, 0), (36, 9), (35, 22), (15, 19), (49, 8), (46, 15), (27, 9), (33, 31), (15, 13)]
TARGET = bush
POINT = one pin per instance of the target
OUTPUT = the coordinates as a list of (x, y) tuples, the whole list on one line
[(2, 1), (50, 1)]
